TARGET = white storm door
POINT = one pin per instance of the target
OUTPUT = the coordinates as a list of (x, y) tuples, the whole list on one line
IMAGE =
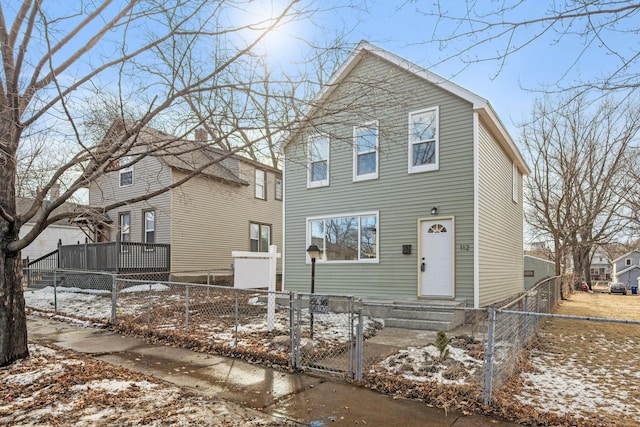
[(436, 263)]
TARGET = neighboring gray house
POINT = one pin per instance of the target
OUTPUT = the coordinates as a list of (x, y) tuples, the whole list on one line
[(626, 269), (410, 186), (537, 269), (233, 205)]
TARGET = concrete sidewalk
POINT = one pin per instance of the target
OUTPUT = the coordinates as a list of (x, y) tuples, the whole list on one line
[(306, 399)]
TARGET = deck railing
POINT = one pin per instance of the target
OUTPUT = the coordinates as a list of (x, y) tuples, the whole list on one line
[(117, 257)]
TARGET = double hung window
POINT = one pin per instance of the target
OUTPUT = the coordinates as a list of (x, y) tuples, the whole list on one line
[(126, 174), (261, 192), (365, 152), (149, 226), (423, 140), (318, 166), (259, 237)]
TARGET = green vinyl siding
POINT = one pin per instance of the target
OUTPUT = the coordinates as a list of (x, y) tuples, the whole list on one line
[(377, 90), (500, 224)]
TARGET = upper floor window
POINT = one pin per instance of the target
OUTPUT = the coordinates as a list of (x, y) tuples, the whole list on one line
[(261, 192), (259, 237), (125, 227), (423, 140), (149, 227), (126, 174), (365, 152), (627, 261), (350, 238), (278, 188), (318, 166)]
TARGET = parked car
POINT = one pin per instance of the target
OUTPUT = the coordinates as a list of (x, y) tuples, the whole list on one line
[(601, 286), (618, 288)]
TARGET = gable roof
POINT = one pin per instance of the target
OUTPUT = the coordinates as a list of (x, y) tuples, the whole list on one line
[(631, 267), (23, 204), (539, 259), (188, 155), (625, 255), (480, 105)]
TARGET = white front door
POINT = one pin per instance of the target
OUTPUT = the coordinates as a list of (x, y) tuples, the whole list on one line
[(436, 258)]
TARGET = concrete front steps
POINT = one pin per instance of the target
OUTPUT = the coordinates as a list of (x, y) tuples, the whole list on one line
[(432, 315)]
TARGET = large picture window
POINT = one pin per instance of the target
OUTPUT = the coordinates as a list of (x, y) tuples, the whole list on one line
[(423, 140), (318, 161), (259, 237), (345, 238), (365, 152)]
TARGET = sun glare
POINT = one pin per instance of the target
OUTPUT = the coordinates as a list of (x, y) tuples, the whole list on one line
[(259, 16)]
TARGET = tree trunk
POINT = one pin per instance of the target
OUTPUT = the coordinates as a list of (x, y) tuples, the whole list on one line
[(13, 320)]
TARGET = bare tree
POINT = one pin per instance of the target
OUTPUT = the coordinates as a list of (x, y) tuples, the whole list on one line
[(578, 189), (145, 61), (495, 31)]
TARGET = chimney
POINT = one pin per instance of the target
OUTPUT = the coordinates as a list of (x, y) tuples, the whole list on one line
[(201, 135)]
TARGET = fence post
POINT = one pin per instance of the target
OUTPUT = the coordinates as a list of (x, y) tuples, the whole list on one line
[(55, 291), (359, 343), (236, 320), (114, 300), (292, 334), (524, 322), (186, 310), (298, 331), (488, 358), (149, 310)]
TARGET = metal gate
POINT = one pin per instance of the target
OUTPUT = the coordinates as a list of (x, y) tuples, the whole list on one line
[(328, 334)]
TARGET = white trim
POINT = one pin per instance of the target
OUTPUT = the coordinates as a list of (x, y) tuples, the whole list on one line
[(476, 211), (539, 259), (262, 184), (375, 260), (453, 255), (430, 166), (284, 209), (624, 256), (323, 182), (515, 183), (122, 171), (480, 104), (374, 175)]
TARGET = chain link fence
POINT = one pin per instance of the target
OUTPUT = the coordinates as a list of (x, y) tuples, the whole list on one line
[(337, 335)]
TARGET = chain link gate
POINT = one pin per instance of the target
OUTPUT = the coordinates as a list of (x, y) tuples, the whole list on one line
[(325, 334)]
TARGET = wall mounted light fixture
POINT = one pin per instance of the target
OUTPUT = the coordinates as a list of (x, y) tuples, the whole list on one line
[(434, 210)]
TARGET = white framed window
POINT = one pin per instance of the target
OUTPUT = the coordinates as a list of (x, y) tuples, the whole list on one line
[(261, 190), (515, 176), (259, 237), (149, 232), (278, 191), (424, 149), (318, 166), (627, 261), (345, 238), (365, 151), (126, 174), (124, 221)]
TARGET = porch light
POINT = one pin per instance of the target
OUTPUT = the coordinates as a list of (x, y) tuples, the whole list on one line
[(434, 210)]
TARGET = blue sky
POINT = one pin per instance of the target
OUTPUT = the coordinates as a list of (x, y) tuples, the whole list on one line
[(400, 28)]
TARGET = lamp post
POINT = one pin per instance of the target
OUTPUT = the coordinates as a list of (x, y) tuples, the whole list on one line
[(314, 252)]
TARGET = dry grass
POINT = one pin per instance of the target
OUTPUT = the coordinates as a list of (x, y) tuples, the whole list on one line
[(585, 368)]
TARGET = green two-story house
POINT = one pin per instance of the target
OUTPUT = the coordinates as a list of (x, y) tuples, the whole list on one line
[(408, 184)]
